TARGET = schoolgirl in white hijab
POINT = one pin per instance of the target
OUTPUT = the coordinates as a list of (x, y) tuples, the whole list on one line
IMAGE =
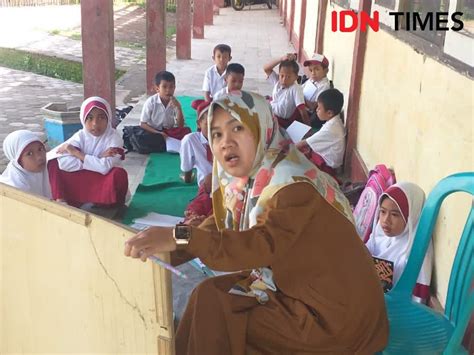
[(29, 176), (95, 150), (409, 199)]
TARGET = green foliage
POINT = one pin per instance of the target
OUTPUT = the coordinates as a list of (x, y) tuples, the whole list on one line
[(44, 65), (170, 31), (170, 7)]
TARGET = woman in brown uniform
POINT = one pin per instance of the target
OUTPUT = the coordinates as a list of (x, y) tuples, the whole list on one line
[(309, 286)]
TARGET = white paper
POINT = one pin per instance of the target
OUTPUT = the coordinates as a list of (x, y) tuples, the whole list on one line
[(173, 145), (297, 130), (157, 219)]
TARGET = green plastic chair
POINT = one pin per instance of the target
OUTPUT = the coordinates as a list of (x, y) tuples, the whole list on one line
[(414, 327)]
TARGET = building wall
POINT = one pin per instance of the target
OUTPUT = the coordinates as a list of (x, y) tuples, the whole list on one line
[(338, 48), (311, 25), (415, 115), (296, 24), (67, 286)]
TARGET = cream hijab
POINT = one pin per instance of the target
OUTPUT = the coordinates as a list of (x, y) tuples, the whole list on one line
[(14, 174), (397, 249), (88, 143), (238, 201)]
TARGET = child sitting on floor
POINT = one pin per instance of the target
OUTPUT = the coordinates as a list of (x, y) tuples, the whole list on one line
[(196, 153), (86, 168), (287, 96), (326, 147), (27, 167), (393, 234), (162, 113), (317, 82), (214, 78), (234, 79)]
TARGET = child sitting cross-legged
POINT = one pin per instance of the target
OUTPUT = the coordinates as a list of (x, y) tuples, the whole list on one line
[(326, 147), (393, 235), (162, 113), (27, 167), (87, 167), (287, 97), (196, 153)]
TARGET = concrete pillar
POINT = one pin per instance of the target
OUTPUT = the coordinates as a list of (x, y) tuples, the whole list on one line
[(353, 162), (198, 19), (155, 40), (98, 70), (302, 57), (208, 12), (183, 29)]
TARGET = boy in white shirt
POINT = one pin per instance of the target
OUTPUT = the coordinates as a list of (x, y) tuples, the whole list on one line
[(317, 82), (234, 79), (162, 113), (287, 96), (214, 78), (326, 147), (196, 153)]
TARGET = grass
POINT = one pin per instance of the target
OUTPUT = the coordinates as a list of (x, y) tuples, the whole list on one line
[(53, 67), (170, 31), (141, 3), (76, 35)]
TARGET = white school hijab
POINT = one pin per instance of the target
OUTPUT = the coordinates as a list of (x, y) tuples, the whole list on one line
[(397, 248), (88, 143), (14, 175)]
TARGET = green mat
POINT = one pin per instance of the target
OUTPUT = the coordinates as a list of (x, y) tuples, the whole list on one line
[(162, 190)]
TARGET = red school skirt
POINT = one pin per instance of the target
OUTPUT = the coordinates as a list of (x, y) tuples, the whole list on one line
[(200, 207), (177, 132), (85, 186)]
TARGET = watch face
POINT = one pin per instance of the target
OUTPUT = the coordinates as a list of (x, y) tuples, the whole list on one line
[(182, 232)]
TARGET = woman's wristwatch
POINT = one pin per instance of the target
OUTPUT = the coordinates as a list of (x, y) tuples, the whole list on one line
[(181, 235)]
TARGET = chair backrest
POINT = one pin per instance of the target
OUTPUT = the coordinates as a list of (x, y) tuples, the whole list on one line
[(460, 297)]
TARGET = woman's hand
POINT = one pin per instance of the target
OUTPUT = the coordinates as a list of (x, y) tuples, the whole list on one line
[(150, 241)]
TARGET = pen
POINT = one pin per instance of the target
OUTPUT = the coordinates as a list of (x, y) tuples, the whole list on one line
[(167, 266)]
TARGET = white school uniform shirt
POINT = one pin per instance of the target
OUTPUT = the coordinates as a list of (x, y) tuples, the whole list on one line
[(14, 174), (285, 100), (329, 142), (312, 89), (158, 115), (213, 81), (221, 93), (397, 249), (91, 145), (193, 154)]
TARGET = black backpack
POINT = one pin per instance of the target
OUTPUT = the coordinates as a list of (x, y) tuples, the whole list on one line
[(137, 139)]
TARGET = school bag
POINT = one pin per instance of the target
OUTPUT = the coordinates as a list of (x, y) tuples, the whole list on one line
[(137, 139), (380, 178)]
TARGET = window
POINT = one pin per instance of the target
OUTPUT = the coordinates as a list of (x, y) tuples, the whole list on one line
[(342, 3), (451, 47), (426, 8), (389, 4), (467, 8)]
